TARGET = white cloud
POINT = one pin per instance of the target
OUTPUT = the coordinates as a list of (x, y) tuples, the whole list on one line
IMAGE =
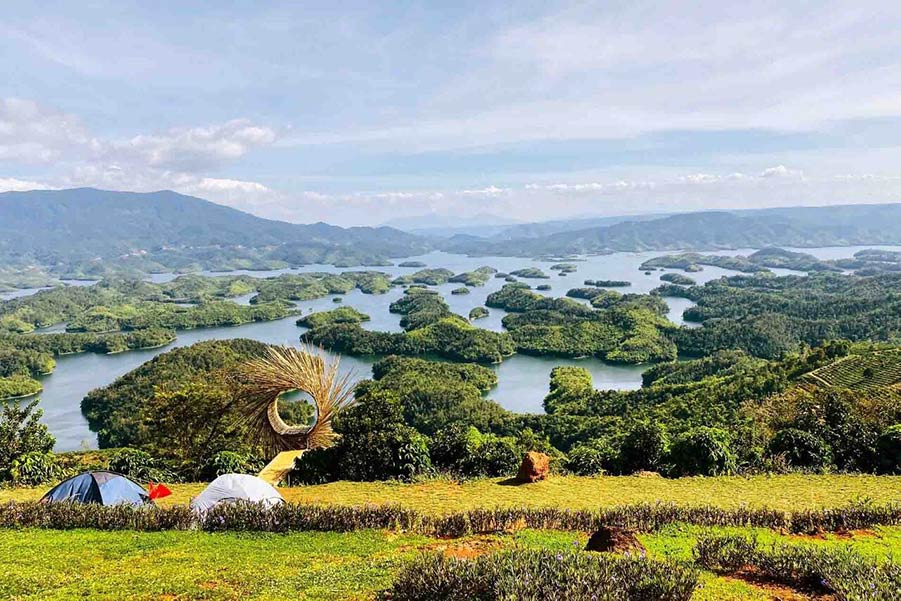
[(32, 133), (11, 184), (195, 147)]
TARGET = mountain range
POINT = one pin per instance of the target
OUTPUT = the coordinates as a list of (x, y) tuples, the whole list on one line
[(88, 232)]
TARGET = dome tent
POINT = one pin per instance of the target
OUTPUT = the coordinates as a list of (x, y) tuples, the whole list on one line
[(230, 488), (100, 487)]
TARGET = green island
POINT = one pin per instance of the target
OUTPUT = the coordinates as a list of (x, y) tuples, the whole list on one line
[(478, 313), (533, 273), (608, 283), (759, 261), (677, 279), (477, 277)]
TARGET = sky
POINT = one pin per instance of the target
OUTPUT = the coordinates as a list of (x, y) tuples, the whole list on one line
[(363, 113)]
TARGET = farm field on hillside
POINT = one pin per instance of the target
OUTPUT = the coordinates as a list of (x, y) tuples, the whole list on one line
[(788, 492)]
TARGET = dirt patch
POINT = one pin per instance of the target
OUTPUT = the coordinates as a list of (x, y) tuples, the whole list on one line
[(465, 549), (777, 591), (842, 534)]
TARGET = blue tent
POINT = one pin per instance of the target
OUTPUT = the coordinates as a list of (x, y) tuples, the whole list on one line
[(103, 488)]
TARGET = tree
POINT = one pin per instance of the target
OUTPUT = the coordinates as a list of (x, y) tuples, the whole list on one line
[(703, 451), (21, 433), (644, 447)]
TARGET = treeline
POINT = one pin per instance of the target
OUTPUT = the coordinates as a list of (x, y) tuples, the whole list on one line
[(772, 316), (430, 328)]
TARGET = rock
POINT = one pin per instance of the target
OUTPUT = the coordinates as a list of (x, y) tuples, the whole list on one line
[(611, 539), (535, 466)]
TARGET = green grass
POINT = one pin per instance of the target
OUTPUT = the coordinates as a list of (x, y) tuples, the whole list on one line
[(788, 493), (48, 564)]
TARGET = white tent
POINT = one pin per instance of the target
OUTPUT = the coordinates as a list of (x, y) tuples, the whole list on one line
[(229, 488)]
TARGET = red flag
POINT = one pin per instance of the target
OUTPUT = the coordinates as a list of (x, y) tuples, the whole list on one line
[(157, 491)]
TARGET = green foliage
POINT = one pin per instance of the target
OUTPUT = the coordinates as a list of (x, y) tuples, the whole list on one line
[(644, 447), (889, 450), (176, 405), (460, 291), (448, 337), (477, 277), (478, 313), (703, 451), (231, 462), (376, 444), (800, 449), (339, 315), (465, 452), (34, 468), (541, 574), (678, 279), (18, 386), (21, 434), (592, 458), (136, 464), (608, 283), (530, 273), (771, 317), (840, 571), (430, 277)]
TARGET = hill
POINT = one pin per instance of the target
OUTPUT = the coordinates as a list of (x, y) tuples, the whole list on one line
[(69, 229), (800, 227)]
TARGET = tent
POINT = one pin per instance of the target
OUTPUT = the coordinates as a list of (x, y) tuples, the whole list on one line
[(230, 488), (100, 487)]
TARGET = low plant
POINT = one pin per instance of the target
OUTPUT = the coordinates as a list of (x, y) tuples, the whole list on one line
[(542, 574), (840, 572)]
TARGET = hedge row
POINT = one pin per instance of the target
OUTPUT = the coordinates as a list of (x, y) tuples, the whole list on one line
[(533, 575), (292, 517)]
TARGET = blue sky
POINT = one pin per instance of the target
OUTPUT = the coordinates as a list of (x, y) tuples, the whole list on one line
[(366, 112)]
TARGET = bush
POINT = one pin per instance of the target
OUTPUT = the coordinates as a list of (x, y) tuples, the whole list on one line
[(800, 449), (541, 574), (21, 433), (466, 452), (35, 468), (592, 458), (376, 444), (888, 448), (703, 451), (840, 571), (231, 462), (137, 465), (316, 466), (645, 447)]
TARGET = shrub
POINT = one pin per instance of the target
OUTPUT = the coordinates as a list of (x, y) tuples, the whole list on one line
[(231, 462), (468, 453), (703, 451), (838, 571), (644, 447), (21, 433), (316, 466), (376, 444), (801, 449), (541, 574), (35, 468), (888, 448), (136, 464), (592, 458)]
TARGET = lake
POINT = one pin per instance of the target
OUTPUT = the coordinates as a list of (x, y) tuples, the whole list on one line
[(522, 380)]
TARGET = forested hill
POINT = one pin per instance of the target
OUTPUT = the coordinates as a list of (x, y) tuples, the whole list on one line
[(805, 227), (52, 226)]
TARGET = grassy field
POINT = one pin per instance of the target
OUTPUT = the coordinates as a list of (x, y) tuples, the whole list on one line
[(791, 492), (46, 564)]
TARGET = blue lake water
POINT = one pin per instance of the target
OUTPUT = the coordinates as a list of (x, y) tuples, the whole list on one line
[(522, 380)]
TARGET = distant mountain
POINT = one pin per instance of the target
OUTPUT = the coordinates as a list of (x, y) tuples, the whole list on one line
[(547, 228), (483, 225), (161, 230), (799, 226)]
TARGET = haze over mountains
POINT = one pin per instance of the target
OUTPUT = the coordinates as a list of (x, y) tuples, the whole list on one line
[(85, 231)]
